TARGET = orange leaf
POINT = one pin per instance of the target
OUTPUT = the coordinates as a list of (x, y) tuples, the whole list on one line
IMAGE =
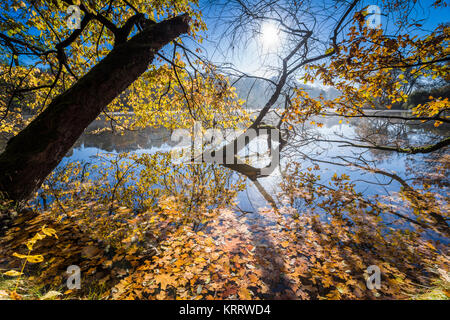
[(285, 244), (244, 294), (164, 280)]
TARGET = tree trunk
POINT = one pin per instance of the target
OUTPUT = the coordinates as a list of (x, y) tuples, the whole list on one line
[(33, 153)]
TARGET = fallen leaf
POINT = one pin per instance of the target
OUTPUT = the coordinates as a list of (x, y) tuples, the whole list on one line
[(51, 295), (12, 273)]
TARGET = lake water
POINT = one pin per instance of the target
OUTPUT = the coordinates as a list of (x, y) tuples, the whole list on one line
[(306, 147)]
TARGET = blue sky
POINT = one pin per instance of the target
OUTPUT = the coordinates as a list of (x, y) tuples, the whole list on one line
[(253, 56)]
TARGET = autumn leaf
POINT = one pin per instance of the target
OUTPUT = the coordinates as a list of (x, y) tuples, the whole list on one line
[(15, 296), (51, 295), (164, 280), (329, 51), (20, 256), (49, 231), (90, 252), (285, 244), (12, 273), (35, 258), (244, 294), (30, 258)]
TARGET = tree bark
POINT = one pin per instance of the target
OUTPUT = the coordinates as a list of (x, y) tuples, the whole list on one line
[(31, 155)]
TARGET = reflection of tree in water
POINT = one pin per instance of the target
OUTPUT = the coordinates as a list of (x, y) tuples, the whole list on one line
[(334, 233), (431, 170), (144, 184), (364, 222), (396, 133), (126, 141)]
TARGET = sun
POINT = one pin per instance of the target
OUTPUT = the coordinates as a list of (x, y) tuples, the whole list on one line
[(270, 35)]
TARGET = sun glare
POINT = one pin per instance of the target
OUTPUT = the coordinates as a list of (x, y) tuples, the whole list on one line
[(270, 35)]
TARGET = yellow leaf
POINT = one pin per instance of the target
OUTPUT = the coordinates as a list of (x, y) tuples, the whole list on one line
[(428, 244), (35, 258), (15, 296), (12, 273), (284, 244), (49, 231), (199, 260), (244, 294), (18, 255)]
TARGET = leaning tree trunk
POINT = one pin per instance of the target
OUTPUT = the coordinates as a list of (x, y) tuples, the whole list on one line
[(33, 153)]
